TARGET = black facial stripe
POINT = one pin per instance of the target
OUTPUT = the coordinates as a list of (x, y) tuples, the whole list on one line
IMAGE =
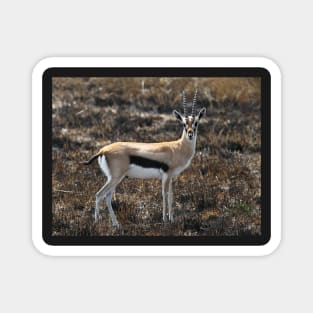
[(147, 163)]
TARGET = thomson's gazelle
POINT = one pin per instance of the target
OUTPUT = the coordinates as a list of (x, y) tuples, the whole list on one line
[(163, 160)]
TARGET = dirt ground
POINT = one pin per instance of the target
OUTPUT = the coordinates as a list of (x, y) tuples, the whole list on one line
[(219, 194)]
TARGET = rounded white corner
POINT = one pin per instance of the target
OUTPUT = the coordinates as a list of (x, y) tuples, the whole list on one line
[(41, 246), (271, 246), (271, 66), (42, 65)]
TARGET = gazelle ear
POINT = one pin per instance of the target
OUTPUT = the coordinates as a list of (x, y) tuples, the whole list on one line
[(201, 113), (178, 116)]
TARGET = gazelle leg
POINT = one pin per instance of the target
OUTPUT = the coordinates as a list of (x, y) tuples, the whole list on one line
[(108, 200), (106, 193), (99, 196), (170, 201), (164, 180)]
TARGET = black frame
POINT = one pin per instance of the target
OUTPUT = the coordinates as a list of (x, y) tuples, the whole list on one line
[(157, 72)]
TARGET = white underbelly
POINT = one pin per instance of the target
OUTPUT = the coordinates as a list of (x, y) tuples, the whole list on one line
[(135, 171)]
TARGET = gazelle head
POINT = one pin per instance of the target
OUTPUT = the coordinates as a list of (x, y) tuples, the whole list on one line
[(190, 122)]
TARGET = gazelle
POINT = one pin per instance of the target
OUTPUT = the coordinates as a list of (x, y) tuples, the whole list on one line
[(164, 160)]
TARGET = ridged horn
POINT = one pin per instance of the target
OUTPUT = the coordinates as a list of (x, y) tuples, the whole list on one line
[(185, 104), (194, 103)]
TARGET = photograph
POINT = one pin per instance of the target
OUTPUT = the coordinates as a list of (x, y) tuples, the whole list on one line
[(156, 156)]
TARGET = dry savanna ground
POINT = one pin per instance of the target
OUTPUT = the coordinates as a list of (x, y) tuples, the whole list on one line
[(218, 195)]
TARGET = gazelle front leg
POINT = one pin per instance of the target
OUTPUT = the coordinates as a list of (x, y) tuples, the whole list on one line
[(164, 189), (170, 201)]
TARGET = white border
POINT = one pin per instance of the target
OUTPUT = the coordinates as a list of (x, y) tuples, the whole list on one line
[(156, 250)]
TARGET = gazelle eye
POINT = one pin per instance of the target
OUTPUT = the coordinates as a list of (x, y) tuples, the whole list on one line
[(196, 124)]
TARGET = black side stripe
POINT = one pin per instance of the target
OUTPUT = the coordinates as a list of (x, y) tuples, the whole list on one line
[(148, 163)]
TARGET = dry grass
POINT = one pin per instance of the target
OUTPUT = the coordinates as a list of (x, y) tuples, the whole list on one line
[(219, 194)]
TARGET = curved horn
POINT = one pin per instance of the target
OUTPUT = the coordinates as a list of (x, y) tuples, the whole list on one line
[(194, 103), (185, 104)]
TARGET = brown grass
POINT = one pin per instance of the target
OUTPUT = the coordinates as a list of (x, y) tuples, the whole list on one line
[(219, 194)]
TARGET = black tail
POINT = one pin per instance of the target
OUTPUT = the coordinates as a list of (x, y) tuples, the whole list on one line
[(90, 160)]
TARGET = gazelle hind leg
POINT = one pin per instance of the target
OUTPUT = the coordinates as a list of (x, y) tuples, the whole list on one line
[(99, 196), (108, 200), (106, 193)]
